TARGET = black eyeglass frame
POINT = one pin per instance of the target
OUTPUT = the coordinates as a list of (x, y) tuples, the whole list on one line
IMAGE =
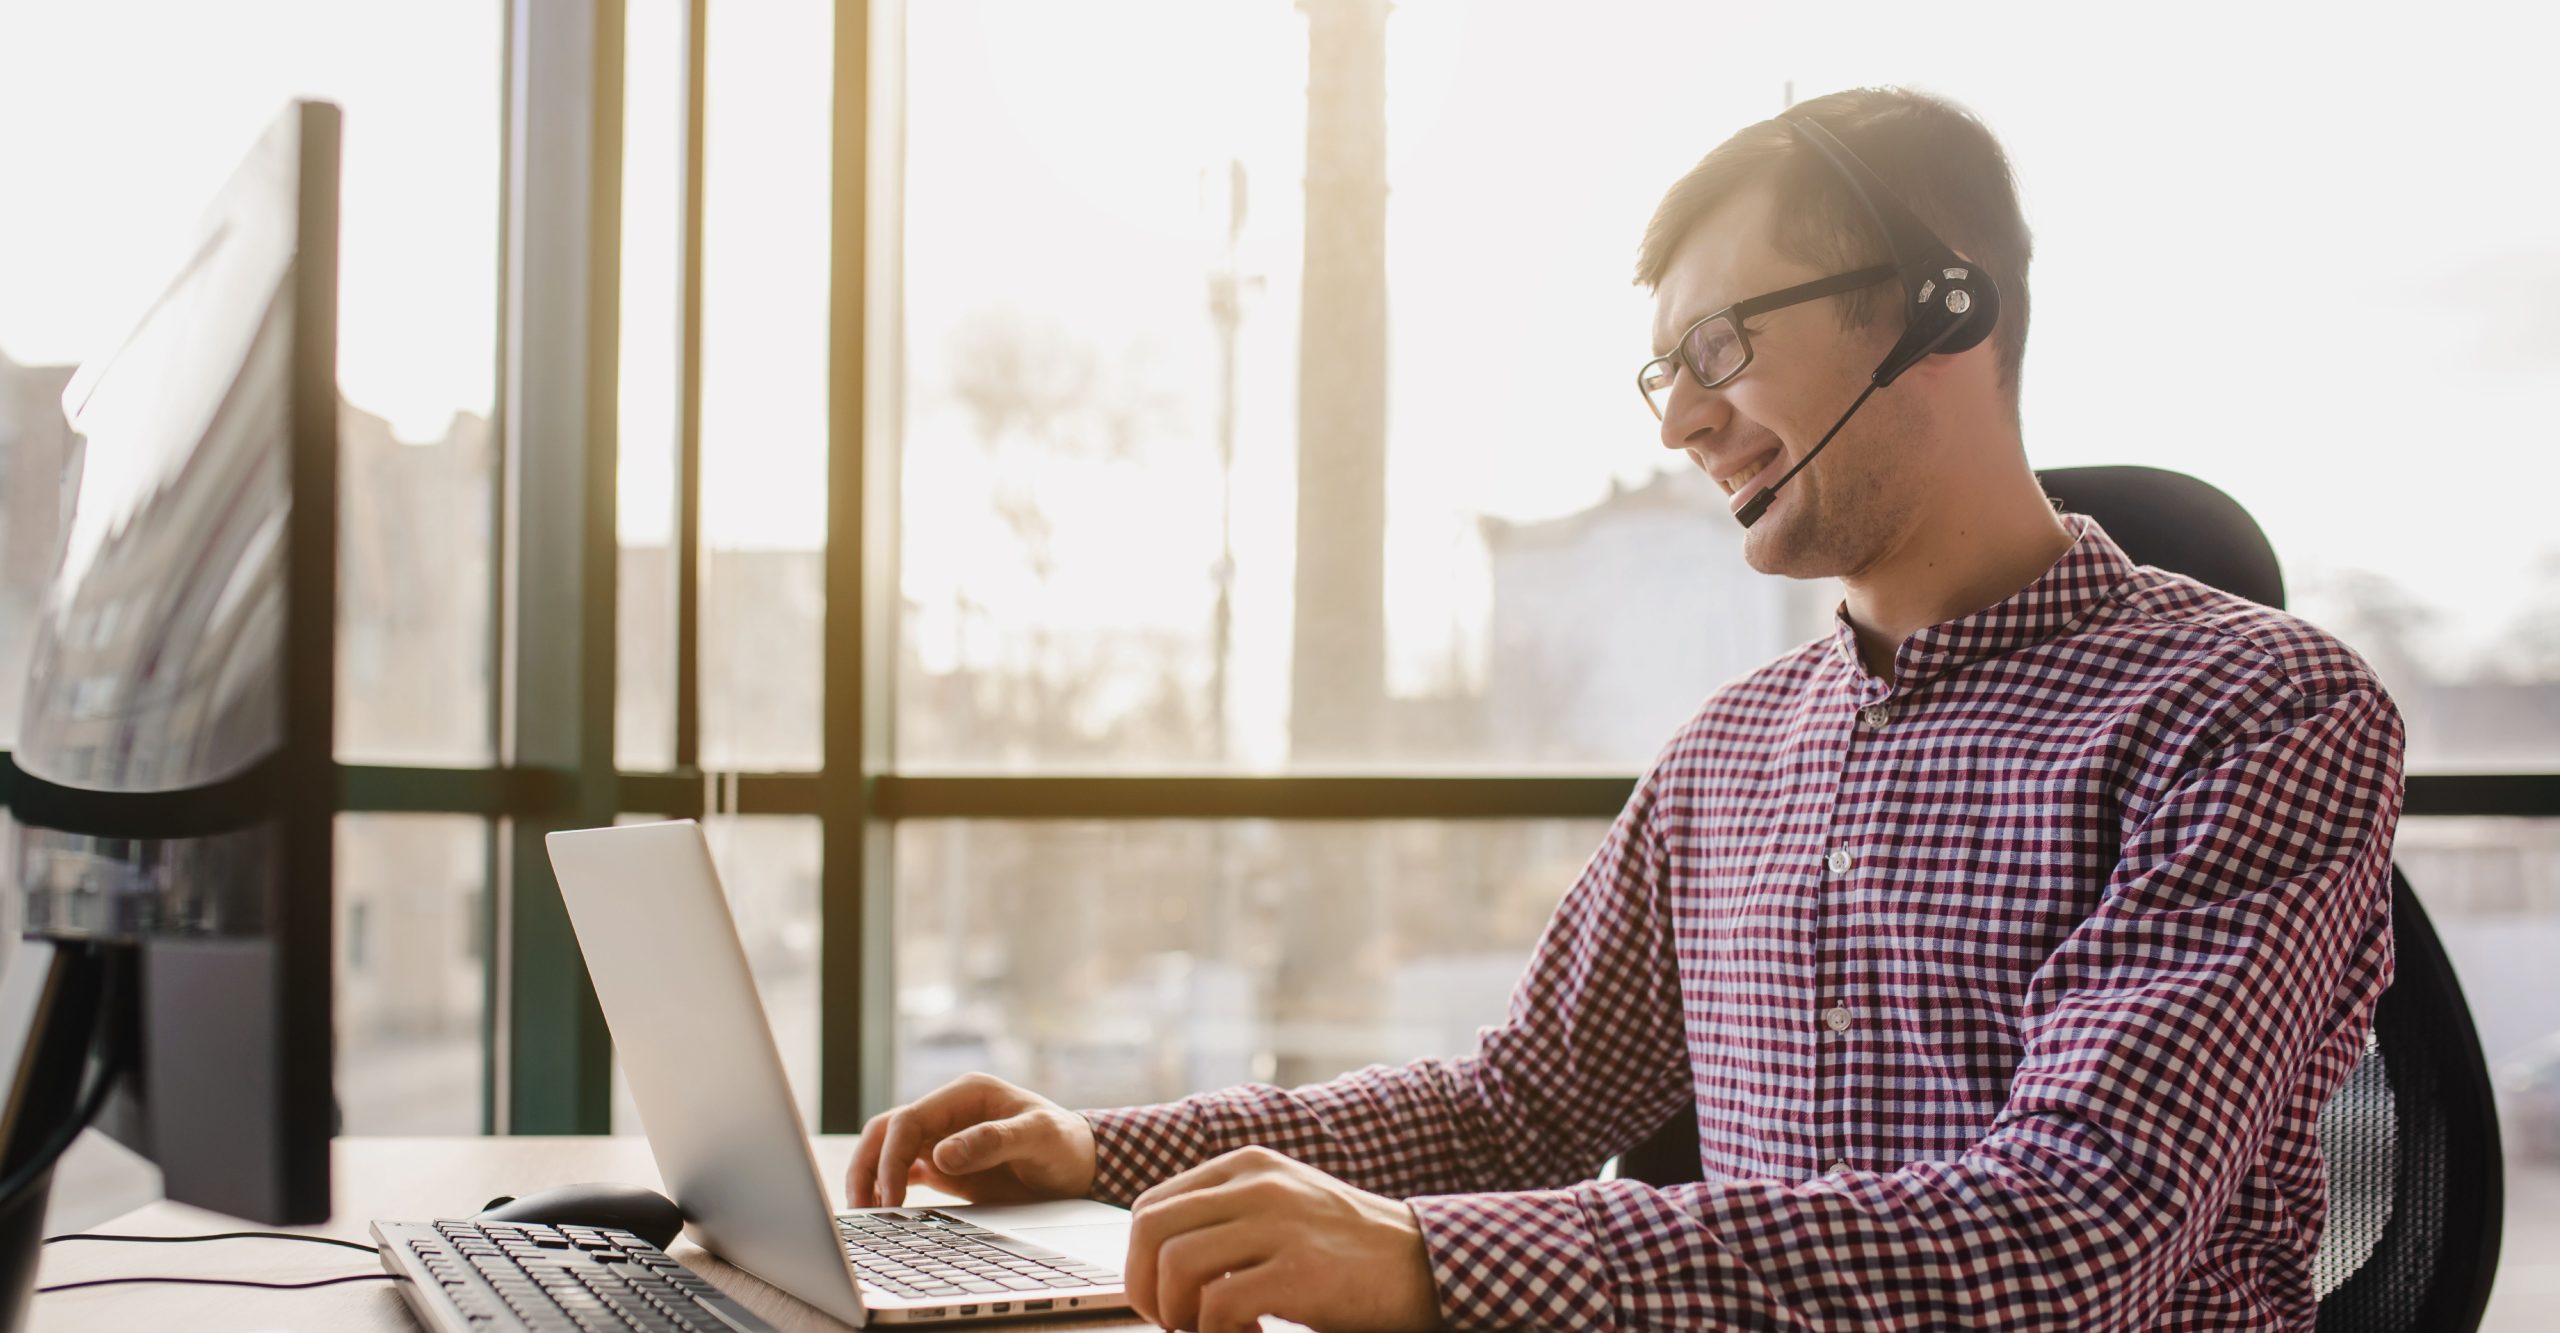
[(1742, 310)]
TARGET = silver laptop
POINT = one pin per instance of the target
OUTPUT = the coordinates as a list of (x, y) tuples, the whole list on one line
[(655, 928)]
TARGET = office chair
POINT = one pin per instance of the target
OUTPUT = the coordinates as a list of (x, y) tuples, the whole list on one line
[(2416, 1192)]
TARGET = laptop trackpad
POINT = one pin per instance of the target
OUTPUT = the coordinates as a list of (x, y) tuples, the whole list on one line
[(1094, 1232), (1106, 1244)]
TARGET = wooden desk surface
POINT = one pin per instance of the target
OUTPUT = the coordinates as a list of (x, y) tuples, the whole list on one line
[(400, 1179)]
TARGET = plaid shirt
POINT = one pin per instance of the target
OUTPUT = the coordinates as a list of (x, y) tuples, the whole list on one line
[(2007, 994)]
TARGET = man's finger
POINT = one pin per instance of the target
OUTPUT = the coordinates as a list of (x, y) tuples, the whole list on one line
[(905, 1139), (1153, 1226), (1197, 1260), (859, 1179), (984, 1146), (1216, 1171), (1237, 1300)]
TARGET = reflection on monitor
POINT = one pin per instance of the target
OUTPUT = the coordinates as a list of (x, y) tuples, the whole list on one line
[(170, 819)]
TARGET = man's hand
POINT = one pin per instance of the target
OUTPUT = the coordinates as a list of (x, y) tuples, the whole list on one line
[(978, 1137), (1254, 1233)]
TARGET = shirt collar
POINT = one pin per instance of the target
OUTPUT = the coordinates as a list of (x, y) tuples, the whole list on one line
[(2085, 577)]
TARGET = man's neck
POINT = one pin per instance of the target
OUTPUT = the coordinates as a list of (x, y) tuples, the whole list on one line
[(1978, 552)]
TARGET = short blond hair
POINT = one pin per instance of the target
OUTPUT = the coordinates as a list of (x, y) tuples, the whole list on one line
[(1938, 157)]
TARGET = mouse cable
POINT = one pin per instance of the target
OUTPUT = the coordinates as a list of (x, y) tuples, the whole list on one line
[(220, 1282), (219, 1235)]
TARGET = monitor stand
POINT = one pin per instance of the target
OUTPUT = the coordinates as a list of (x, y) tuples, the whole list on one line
[(53, 1016)]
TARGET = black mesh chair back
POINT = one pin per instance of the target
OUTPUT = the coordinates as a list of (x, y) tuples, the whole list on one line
[(2416, 1192)]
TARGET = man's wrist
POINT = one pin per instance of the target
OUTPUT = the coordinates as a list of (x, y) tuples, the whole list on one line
[(1136, 1146), (1092, 1155)]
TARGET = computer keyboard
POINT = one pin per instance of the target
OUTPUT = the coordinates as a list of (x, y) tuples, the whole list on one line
[(929, 1255), (490, 1277)]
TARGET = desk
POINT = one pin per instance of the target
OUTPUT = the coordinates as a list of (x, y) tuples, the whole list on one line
[(405, 1179)]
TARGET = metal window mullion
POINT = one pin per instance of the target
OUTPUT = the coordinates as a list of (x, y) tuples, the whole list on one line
[(493, 874), (1227, 796), (688, 553), (855, 1029), (562, 312), (897, 796), (530, 793)]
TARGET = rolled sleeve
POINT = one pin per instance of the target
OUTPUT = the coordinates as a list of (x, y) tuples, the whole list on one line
[(1588, 1059)]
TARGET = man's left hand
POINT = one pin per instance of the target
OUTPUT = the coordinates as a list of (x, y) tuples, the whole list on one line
[(1254, 1233)]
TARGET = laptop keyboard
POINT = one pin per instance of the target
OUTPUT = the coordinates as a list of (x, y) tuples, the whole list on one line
[(926, 1255)]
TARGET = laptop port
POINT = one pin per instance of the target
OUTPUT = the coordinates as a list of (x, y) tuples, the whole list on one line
[(1038, 1305)]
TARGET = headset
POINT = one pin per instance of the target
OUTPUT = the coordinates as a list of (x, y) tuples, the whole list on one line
[(1951, 303)]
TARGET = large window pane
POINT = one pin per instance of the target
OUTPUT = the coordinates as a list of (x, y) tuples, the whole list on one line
[(764, 382), (1106, 963), (126, 117), (768, 865), (1507, 567), (1063, 382), (413, 959), (650, 381)]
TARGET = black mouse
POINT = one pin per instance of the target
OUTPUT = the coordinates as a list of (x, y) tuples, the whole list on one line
[(645, 1213)]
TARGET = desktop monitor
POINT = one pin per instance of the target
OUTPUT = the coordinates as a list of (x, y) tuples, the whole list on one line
[(168, 842)]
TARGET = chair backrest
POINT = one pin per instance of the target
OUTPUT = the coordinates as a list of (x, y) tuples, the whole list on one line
[(2416, 1191)]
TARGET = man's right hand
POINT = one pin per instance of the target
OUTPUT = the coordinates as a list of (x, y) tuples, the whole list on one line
[(978, 1137)]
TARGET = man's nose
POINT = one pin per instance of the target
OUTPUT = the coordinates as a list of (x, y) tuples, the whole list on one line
[(1689, 412)]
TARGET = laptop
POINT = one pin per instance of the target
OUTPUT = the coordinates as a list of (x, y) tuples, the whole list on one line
[(654, 925)]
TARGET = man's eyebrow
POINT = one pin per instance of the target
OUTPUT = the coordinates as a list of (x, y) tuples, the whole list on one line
[(1686, 321)]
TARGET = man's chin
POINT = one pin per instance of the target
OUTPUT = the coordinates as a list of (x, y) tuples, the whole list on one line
[(1772, 547), (1780, 545)]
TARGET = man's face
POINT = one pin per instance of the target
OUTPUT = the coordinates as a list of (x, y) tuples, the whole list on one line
[(1853, 503)]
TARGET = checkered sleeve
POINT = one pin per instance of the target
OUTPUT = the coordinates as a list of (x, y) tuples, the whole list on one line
[(2226, 977), (1589, 1058)]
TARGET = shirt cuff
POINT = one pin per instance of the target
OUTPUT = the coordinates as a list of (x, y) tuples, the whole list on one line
[(1505, 1260), (1136, 1146)]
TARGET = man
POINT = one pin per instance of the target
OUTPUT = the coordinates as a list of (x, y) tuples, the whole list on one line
[(2006, 942)]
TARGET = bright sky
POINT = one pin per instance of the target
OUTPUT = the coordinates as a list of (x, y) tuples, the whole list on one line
[(2306, 255)]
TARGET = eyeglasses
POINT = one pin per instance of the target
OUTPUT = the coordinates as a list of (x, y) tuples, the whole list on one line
[(1715, 349)]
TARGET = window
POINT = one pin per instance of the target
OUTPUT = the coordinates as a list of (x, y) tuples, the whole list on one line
[(2491, 888), (1079, 267), (411, 981), (1108, 964)]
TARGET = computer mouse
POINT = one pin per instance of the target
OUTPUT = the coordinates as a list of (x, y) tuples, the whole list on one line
[(645, 1213)]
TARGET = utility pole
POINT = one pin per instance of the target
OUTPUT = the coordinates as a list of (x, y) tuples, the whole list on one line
[(1337, 678), (1327, 982)]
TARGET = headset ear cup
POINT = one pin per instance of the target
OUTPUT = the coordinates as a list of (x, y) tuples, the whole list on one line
[(1957, 309), (1972, 299)]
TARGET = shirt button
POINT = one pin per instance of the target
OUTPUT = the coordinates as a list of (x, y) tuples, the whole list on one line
[(1836, 1018), (1840, 1168), (1875, 716), (1840, 860)]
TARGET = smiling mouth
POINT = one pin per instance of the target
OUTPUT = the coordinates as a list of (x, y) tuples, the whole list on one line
[(1733, 485)]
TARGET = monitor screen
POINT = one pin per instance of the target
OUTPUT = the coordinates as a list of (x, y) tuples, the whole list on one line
[(175, 793), (157, 653)]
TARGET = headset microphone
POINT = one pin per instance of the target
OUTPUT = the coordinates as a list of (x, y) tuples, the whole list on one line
[(1952, 304)]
